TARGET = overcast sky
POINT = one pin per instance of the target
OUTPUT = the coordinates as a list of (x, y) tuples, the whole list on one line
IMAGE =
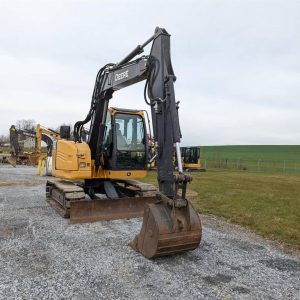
[(237, 63)]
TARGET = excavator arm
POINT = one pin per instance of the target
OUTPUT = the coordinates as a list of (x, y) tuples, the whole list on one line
[(46, 135)]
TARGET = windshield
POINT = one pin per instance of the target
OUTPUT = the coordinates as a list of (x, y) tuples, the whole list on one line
[(191, 155), (129, 132)]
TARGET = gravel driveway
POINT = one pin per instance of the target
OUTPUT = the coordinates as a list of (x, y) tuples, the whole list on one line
[(43, 257)]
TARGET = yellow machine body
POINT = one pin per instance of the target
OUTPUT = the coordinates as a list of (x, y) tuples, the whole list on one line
[(73, 161)]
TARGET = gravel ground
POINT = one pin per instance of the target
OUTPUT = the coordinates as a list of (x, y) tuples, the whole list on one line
[(43, 257)]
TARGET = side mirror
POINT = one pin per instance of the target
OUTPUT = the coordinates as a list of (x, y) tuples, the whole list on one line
[(65, 132)]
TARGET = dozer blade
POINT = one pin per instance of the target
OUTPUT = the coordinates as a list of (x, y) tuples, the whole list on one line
[(108, 209), (168, 230)]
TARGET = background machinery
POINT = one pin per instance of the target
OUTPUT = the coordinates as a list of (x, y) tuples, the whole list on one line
[(96, 180), (26, 146), (23, 146), (191, 158)]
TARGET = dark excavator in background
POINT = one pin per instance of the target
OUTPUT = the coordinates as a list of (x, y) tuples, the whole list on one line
[(32, 154), (19, 153), (96, 180)]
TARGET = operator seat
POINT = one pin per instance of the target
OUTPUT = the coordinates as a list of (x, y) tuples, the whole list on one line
[(121, 141)]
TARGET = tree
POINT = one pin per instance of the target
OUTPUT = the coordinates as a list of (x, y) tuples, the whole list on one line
[(26, 124), (4, 139)]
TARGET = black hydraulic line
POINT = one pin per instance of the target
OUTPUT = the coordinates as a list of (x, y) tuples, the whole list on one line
[(49, 143), (145, 92), (148, 120), (96, 93)]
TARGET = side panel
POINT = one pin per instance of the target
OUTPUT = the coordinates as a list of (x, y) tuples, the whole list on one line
[(66, 156), (71, 160)]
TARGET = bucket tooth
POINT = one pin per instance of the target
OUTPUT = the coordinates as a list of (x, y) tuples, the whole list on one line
[(168, 230)]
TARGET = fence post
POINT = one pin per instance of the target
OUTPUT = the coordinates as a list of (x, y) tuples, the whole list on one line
[(258, 165), (284, 166)]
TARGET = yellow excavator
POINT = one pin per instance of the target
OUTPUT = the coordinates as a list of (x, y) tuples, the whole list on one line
[(96, 180), (191, 158)]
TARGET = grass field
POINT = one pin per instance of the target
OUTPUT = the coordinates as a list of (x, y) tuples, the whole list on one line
[(268, 204), (260, 158)]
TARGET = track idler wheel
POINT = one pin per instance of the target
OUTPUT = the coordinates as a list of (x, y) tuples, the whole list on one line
[(168, 229)]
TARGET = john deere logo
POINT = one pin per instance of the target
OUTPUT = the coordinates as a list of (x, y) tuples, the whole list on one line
[(121, 75)]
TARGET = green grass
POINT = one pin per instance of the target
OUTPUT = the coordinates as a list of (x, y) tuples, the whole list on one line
[(268, 204), (259, 158), (255, 152)]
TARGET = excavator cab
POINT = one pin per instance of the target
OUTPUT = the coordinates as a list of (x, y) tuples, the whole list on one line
[(125, 144)]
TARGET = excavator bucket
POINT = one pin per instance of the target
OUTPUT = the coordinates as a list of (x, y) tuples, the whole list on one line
[(167, 230), (86, 211)]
